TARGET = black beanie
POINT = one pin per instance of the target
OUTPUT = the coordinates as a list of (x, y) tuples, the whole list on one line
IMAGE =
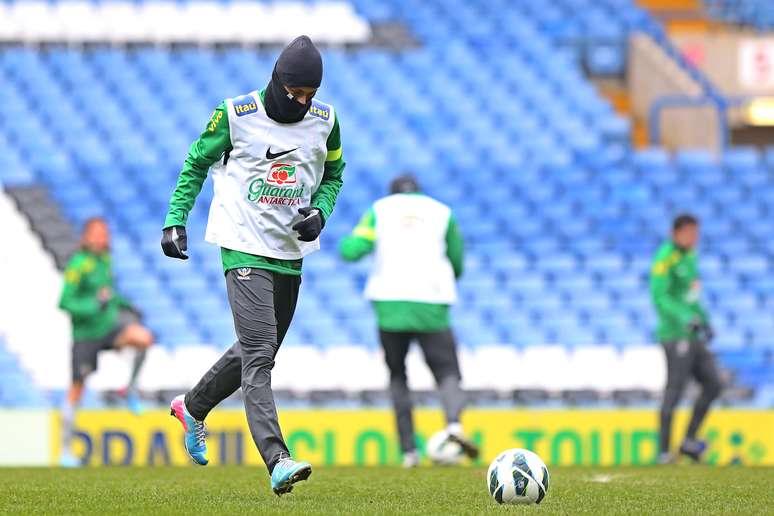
[(298, 65)]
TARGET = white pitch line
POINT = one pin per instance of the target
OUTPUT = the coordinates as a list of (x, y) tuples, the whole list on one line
[(601, 479)]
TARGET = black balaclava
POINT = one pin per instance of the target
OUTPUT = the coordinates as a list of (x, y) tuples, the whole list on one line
[(406, 183), (299, 65)]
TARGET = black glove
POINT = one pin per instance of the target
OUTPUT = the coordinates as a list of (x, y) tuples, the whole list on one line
[(309, 228), (701, 331), (174, 241)]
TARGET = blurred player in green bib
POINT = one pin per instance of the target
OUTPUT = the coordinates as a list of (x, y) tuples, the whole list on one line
[(276, 162), (685, 332), (418, 257), (101, 320)]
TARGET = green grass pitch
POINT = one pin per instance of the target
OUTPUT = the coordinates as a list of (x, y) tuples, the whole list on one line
[(358, 490)]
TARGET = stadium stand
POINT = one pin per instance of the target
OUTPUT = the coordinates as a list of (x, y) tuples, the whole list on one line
[(239, 22), (47, 221), (758, 14), (34, 340), (560, 214)]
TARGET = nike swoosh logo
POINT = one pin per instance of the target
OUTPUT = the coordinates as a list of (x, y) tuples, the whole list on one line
[(271, 155)]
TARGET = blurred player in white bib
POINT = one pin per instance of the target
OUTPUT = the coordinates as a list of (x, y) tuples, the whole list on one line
[(418, 257)]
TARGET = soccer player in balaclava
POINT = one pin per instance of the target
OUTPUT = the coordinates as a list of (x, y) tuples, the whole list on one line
[(276, 162)]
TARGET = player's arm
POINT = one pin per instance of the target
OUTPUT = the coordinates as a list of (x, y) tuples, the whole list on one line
[(71, 299), (703, 314), (361, 241), (211, 146), (660, 284), (455, 248), (699, 311), (124, 303), (698, 307), (324, 199)]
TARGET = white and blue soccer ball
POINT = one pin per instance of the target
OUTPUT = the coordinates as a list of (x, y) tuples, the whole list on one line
[(517, 476), (442, 451)]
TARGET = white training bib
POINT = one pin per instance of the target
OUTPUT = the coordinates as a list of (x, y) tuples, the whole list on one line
[(410, 251), (272, 171)]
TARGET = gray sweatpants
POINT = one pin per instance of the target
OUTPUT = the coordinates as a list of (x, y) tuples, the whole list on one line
[(440, 352), (686, 359), (262, 303)]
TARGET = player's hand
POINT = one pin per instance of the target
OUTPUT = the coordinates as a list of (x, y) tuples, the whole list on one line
[(174, 242), (701, 331), (708, 332), (104, 295), (311, 226)]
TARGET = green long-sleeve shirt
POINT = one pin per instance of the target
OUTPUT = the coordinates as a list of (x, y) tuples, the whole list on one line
[(675, 290), (85, 276), (404, 315), (211, 147)]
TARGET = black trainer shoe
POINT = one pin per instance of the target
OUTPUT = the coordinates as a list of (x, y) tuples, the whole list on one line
[(468, 446), (693, 449)]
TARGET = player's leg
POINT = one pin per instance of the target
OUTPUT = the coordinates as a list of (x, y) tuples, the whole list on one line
[(72, 400), (678, 361), (225, 376), (139, 338), (286, 471), (252, 303), (440, 350), (706, 373), (217, 384), (84, 362), (396, 346), (286, 290)]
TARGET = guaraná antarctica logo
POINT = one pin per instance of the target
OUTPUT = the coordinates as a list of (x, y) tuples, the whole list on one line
[(273, 189), (282, 174)]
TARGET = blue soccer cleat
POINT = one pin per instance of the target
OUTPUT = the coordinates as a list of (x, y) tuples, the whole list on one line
[(286, 473), (195, 431), (68, 460), (134, 404)]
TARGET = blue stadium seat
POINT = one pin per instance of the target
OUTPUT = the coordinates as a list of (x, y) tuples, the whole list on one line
[(606, 59)]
